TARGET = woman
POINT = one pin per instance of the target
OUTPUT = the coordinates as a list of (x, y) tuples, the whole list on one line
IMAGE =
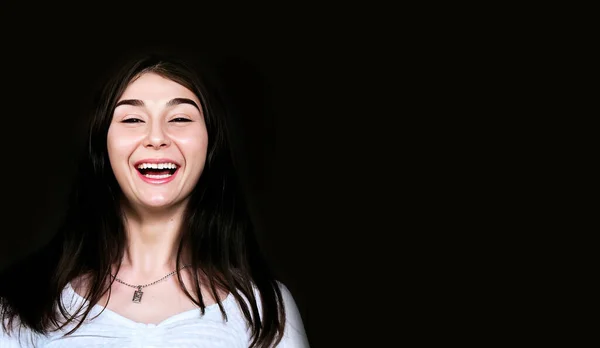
[(157, 248)]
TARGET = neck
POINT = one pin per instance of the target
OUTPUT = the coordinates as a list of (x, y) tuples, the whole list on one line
[(153, 238)]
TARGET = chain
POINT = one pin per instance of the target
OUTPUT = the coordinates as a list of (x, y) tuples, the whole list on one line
[(154, 282)]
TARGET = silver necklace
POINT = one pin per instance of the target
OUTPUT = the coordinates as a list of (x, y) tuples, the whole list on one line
[(137, 295)]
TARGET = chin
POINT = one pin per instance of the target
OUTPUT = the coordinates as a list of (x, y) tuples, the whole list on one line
[(155, 203)]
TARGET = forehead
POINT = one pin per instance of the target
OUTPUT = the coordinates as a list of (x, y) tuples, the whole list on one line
[(153, 87)]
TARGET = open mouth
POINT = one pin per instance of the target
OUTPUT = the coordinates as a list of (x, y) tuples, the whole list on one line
[(157, 170)]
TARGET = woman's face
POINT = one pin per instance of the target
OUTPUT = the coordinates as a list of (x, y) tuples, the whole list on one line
[(157, 142)]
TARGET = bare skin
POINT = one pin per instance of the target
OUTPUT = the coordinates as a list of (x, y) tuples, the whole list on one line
[(159, 301)]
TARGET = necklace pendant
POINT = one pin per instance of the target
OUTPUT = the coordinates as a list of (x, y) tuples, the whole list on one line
[(137, 295)]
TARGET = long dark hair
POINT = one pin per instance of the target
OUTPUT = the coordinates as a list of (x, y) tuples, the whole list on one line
[(217, 227)]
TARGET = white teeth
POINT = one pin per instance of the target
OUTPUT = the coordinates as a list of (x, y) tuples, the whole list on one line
[(157, 166)]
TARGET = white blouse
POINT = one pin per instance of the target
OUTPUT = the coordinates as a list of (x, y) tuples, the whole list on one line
[(187, 329)]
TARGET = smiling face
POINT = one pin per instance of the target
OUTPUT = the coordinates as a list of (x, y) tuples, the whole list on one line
[(157, 142)]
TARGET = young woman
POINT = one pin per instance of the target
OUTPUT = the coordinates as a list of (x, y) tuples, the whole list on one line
[(157, 247)]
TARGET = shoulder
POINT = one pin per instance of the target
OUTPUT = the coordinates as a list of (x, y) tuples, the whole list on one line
[(294, 335), (19, 337)]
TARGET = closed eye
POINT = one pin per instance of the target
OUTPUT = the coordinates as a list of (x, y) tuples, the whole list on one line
[(181, 119), (132, 120)]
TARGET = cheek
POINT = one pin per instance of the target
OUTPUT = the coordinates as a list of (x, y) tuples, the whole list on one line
[(195, 151), (120, 144), (194, 144)]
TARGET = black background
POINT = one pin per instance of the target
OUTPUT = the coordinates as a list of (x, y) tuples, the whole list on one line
[(296, 79)]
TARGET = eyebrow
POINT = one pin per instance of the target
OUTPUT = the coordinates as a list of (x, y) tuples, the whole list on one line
[(172, 102)]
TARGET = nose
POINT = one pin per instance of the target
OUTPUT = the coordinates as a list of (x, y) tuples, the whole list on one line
[(156, 137)]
